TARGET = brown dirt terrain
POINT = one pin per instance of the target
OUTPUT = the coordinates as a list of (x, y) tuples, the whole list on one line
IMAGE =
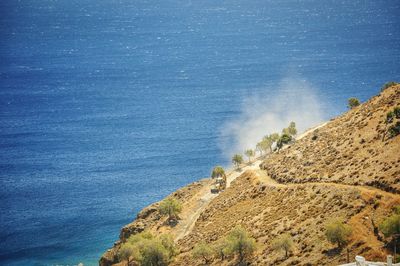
[(348, 150), (342, 169)]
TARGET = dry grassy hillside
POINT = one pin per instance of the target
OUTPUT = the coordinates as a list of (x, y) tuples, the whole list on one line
[(346, 169), (267, 210), (350, 149)]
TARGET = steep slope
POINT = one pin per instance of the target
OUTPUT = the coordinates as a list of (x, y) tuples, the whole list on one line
[(351, 149), (347, 168)]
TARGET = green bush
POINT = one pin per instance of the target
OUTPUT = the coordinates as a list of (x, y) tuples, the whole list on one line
[(337, 232), (202, 251), (389, 117), (353, 102), (394, 130), (241, 243), (396, 112), (391, 225), (283, 242), (220, 248), (148, 250), (388, 85), (171, 207)]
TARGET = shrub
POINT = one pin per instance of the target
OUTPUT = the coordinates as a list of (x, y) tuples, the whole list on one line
[(337, 232), (283, 242), (202, 251), (391, 225), (125, 252), (353, 102), (396, 112), (394, 130), (220, 248), (389, 117), (170, 207), (218, 171), (286, 138), (241, 243), (388, 85), (148, 250)]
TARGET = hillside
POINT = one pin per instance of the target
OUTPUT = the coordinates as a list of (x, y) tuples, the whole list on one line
[(346, 168)]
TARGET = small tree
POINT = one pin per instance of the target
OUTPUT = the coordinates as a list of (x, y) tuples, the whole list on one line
[(337, 232), (241, 243), (202, 251), (390, 227), (218, 171), (283, 242), (220, 248), (171, 207), (274, 137), (353, 102), (154, 253), (237, 159), (267, 143), (249, 153), (292, 129), (259, 148)]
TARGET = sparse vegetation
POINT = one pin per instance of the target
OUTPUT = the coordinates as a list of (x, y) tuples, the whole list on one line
[(147, 250), (202, 251), (337, 232), (220, 248), (394, 130), (240, 243), (126, 252), (390, 227), (389, 117), (171, 207), (218, 171), (237, 159), (388, 85), (353, 102), (249, 153), (283, 242), (396, 112), (290, 130)]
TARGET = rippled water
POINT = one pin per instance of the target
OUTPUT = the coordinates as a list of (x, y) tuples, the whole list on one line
[(107, 106)]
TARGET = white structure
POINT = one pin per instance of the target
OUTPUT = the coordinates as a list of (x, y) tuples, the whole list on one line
[(360, 261)]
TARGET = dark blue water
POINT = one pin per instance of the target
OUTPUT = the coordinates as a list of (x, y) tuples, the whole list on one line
[(107, 106)]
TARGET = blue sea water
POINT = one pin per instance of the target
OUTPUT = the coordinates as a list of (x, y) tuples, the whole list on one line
[(108, 106)]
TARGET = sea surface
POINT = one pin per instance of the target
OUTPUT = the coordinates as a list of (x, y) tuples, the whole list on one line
[(108, 106)]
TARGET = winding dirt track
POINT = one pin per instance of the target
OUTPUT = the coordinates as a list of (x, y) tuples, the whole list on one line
[(200, 201)]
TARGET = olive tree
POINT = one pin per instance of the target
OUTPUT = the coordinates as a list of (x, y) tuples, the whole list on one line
[(237, 159), (353, 102), (171, 207), (203, 251), (218, 171), (249, 153), (283, 242), (337, 232), (241, 243), (390, 227)]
